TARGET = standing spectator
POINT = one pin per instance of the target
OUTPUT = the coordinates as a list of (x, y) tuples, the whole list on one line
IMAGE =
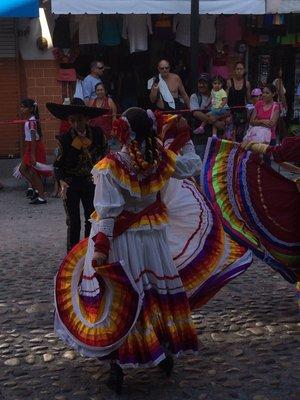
[(81, 147), (89, 83), (103, 101), (266, 112), (166, 88), (104, 121), (238, 96), (34, 152), (281, 92)]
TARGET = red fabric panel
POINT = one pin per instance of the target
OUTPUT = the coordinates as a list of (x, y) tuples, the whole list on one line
[(288, 151)]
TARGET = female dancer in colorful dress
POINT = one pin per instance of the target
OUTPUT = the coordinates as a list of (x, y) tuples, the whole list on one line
[(34, 152), (130, 304), (204, 256)]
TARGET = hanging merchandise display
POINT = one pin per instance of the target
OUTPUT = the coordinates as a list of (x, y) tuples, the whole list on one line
[(220, 60), (264, 68), (136, 29), (88, 31), (207, 29), (61, 32), (182, 28), (230, 30), (162, 26), (110, 30)]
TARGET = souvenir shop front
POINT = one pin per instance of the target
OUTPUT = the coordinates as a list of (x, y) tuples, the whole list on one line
[(135, 42), (131, 45), (56, 49)]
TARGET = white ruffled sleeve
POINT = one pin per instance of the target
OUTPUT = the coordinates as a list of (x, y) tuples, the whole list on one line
[(108, 203), (188, 163)]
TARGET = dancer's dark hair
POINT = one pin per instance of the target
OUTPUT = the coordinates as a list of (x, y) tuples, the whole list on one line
[(34, 111), (142, 126)]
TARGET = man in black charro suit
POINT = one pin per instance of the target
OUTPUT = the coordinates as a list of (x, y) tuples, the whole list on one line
[(80, 149)]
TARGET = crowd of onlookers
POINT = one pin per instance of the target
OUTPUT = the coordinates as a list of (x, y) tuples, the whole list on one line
[(228, 108)]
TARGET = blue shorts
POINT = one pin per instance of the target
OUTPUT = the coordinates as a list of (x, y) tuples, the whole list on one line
[(219, 112)]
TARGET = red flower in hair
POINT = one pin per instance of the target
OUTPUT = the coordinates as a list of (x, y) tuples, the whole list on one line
[(121, 130)]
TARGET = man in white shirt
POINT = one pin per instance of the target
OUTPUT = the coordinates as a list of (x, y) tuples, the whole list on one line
[(89, 83)]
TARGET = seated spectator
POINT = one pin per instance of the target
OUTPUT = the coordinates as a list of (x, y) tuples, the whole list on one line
[(255, 97), (266, 113), (200, 104), (219, 107)]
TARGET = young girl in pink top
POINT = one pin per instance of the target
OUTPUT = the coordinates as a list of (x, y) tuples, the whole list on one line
[(266, 111)]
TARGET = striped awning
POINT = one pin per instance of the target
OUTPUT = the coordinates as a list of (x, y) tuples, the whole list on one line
[(19, 8), (283, 6), (157, 6)]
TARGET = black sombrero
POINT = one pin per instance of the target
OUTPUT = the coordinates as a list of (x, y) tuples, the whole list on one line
[(77, 106)]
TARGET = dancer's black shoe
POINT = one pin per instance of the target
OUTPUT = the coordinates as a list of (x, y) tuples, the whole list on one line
[(167, 365), (29, 193), (115, 379), (35, 195)]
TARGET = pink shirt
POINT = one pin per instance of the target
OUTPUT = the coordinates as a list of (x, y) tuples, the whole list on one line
[(266, 114)]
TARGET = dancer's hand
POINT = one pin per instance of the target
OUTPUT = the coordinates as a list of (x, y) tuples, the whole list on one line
[(33, 162), (98, 259), (63, 189), (247, 145)]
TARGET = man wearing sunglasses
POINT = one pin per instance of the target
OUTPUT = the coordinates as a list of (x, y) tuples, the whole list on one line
[(167, 88), (90, 81)]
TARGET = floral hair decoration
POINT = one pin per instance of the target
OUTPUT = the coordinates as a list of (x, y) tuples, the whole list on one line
[(121, 130)]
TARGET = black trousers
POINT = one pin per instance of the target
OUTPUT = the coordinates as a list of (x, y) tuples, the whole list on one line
[(80, 189)]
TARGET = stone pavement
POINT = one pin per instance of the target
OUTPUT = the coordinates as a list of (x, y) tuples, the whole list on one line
[(249, 331)]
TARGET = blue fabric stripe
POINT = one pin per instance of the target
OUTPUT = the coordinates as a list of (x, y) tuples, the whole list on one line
[(19, 8)]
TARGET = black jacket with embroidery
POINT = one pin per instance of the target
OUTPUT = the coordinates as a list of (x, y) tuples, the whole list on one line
[(72, 162)]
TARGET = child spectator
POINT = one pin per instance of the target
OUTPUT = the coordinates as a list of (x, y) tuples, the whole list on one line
[(219, 103)]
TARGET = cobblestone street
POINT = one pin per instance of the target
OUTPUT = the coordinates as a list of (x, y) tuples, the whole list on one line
[(250, 332)]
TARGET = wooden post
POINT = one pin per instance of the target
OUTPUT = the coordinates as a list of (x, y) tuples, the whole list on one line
[(194, 44)]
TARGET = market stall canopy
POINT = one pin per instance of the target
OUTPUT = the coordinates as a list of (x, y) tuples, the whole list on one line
[(283, 6), (19, 8), (157, 6)]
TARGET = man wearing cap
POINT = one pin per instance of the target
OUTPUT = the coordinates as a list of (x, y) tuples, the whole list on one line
[(80, 148), (200, 104)]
